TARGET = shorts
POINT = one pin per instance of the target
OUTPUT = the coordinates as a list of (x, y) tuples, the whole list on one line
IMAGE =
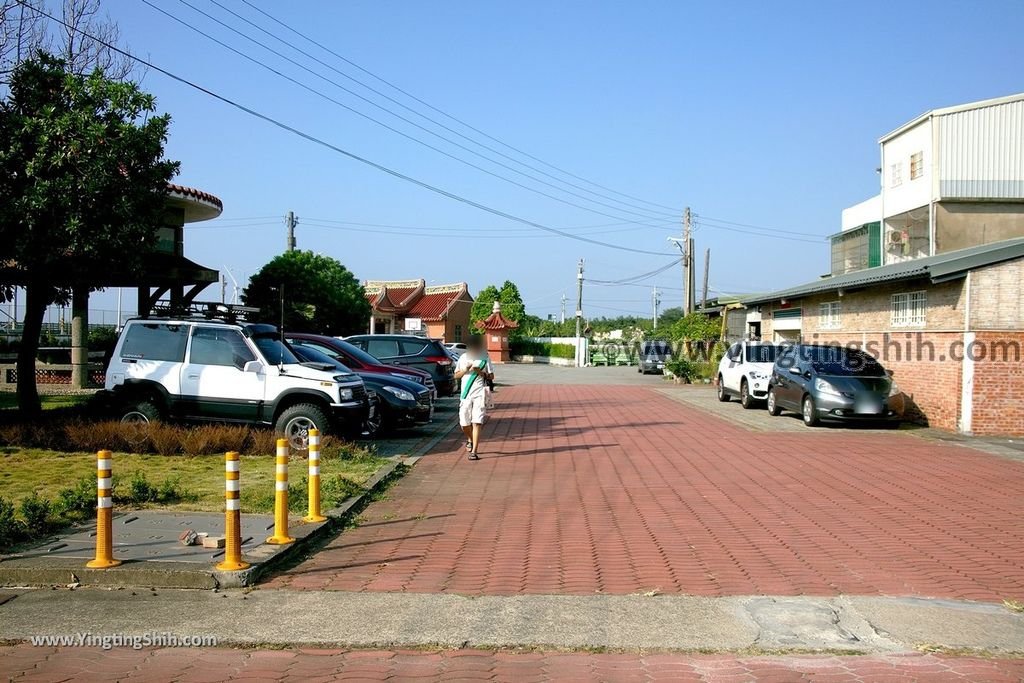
[(473, 410)]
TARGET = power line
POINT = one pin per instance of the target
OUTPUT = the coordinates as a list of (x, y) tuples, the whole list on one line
[(427, 118), (397, 131), (637, 278), (446, 114), (707, 219), (475, 234), (355, 157), (761, 234)]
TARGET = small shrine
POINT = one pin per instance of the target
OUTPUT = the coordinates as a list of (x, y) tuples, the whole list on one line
[(496, 330)]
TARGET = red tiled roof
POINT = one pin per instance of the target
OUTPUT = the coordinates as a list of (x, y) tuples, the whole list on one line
[(195, 194), (432, 307), (427, 303), (496, 321)]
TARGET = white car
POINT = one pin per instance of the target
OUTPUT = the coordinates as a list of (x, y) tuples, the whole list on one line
[(209, 370), (744, 371), (456, 349)]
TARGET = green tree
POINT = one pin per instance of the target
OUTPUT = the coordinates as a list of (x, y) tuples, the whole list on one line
[(696, 327), (512, 306), (320, 294), (670, 316), (83, 182)]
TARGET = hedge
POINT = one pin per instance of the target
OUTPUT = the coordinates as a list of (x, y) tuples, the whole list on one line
[(527, 347)]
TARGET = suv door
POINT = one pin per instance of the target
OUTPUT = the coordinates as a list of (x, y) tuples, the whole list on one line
[(732, 369), (213, 384)]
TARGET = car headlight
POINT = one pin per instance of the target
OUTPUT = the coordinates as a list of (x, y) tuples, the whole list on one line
[(400, 394), (826, 387), (894, 389), (346, 394)]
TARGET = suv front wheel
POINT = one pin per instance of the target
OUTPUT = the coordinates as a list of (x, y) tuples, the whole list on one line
[(295, 422)]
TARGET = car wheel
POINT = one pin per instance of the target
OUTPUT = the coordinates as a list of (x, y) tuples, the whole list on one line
[(135, 419), (295, 422), (773, 407), (142, 412), (746, 400), (374, 426), (723, 395), (808, 412)]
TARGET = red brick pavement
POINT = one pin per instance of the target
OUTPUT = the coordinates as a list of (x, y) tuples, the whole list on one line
[(586, 489), (26, 663)]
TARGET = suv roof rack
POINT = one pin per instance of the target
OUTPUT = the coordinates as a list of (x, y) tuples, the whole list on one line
[(204, 310)]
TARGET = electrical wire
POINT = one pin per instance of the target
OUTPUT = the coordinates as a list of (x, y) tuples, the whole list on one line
[(397, 131), (637, 278), (446, 114), (339, 150), (709, 219), (435, 121)]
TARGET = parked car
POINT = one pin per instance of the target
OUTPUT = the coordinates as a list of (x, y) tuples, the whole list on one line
[(456, 349), (653, 356), (209, 370), (357, 360), (410, 351), (400, 403), (833, 383), (744, 371)]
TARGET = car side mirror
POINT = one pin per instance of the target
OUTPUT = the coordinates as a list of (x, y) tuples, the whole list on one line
[(253, 366)]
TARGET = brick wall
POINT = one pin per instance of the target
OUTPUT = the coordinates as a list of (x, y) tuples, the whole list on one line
[(998, 396), (996, 301)]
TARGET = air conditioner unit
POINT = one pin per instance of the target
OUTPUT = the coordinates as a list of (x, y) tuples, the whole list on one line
[(898, 237)]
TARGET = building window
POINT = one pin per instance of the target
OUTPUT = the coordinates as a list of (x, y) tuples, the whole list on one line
[(458, 333), (896, 174), (908, 309), (829, 315), (916, 165)]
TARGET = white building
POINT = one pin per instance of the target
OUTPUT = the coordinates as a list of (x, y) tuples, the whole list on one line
[(951, 178)]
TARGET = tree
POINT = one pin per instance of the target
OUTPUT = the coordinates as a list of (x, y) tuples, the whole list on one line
[(670, 316), (79, 41), (320, 294), (84, 182), (696, 327), (512, 306)]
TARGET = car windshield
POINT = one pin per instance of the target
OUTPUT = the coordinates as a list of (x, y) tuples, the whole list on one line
[(273, 351), (842, 362), (761, 353), (308, 355), (659, 350)]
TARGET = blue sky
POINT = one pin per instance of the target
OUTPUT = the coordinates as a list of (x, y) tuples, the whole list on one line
[(756, 113)]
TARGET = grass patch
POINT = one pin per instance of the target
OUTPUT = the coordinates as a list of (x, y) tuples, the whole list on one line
[(181, 482), (9, 400)]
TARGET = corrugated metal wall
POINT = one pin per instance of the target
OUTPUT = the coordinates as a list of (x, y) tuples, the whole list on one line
[(981, 153)]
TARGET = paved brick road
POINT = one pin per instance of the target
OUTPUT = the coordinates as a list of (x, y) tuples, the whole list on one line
[(619, 489), (26, 663)]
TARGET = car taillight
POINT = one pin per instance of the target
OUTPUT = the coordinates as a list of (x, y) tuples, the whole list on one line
[(440, 360)]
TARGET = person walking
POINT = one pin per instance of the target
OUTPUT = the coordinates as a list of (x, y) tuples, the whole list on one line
[(475, 370)]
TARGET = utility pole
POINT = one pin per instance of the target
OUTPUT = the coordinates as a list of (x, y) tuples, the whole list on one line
[(707, 263), (290, 222), (563, 308), (687, 249), (656, 300), (579, 315)]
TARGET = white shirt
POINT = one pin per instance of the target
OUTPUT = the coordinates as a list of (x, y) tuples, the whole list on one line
[(479, 383)]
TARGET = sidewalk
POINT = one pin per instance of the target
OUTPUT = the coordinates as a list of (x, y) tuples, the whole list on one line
[(23, 663)]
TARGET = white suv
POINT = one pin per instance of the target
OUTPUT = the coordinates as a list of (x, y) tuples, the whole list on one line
[(209, 370), (744, 371)]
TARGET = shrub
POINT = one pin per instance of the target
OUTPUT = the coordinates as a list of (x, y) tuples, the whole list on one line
[(95, 436), (102, 338), (337, 489), (11, 528), (78, 501), (682, 368), (140, 491), (35, 511), (529, 347), (164, 439), (261, 442)]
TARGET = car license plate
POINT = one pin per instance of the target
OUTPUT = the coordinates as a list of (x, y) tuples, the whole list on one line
[(868, 407), (661, 366)]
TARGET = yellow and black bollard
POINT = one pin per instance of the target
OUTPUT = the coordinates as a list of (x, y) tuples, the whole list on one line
[(232, 516), (314, 478), (281, 536), (104, 515)]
